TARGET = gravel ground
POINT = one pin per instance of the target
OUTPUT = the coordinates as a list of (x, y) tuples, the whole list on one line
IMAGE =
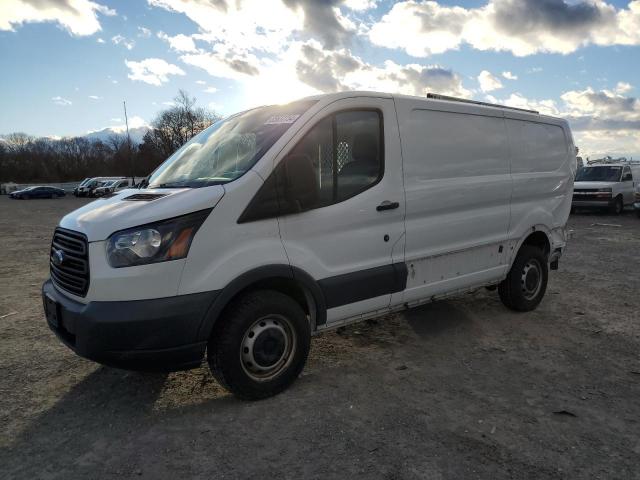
[(457, 389)]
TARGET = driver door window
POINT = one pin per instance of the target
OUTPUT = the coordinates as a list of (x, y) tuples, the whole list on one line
[(340, 157), (345, 153)]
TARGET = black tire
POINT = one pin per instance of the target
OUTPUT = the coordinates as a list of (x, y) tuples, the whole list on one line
[(526, 282), (275, 317), (618, 206)]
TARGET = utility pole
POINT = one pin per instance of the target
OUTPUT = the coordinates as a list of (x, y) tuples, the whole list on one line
[(126, 121)]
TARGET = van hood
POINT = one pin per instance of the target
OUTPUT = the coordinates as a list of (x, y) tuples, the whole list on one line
[(99, 219), (594, 184)]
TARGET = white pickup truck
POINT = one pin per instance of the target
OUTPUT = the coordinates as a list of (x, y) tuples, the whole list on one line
[(609, 186)]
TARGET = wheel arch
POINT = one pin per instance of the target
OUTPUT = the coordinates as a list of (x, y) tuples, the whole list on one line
[(538, 236), (291, 281)]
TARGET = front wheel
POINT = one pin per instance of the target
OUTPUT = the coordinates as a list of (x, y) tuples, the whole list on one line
[(260, 345), (617, 206), (526, 282)]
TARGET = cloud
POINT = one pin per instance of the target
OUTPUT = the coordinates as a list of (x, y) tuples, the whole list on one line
[(361, 5), (488, 82), (63, 102), (517, 100), (224, 62), (210, 90), (95, 97), (623, 87), (522, 27), (100, 40), (120, 40), (509, 76), (602, 109), (78, 17), (323, 20), (153, 71), (144, 32), (267, 26), (421, 29), (179, 43), (240, 26), (330, 71)]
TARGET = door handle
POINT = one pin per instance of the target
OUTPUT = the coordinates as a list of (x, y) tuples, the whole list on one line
[(387, 205)]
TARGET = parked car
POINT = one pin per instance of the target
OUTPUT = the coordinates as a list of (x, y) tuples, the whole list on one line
[(76, 191), (112, 186), (605, 185), (636, 202), (283, 221), (38, 192), (88, 189)]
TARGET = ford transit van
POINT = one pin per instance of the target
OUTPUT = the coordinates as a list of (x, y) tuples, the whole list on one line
[(282, 221)]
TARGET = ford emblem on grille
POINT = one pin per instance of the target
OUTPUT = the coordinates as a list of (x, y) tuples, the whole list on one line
[(57, 257)]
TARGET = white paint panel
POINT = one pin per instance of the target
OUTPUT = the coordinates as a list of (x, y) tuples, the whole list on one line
[(458, 187), (536, 147)]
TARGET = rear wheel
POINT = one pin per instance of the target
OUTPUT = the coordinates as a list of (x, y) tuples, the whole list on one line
[(260, 345), (526, 282), (617, 206)]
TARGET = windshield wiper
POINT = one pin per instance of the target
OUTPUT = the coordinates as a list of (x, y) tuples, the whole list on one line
[(172, 185)]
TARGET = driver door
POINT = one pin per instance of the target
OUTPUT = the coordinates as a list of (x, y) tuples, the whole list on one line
[(350, 236)]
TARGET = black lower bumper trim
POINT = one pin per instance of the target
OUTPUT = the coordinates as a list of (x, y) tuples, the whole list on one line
[(157, 334)]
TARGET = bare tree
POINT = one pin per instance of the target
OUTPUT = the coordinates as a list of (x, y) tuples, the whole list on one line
[(28, 159), (175, 126)]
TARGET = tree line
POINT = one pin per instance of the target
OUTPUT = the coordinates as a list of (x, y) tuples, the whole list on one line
[(28, 159)]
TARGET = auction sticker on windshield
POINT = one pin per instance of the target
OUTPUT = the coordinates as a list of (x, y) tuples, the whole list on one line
[(279, 119)]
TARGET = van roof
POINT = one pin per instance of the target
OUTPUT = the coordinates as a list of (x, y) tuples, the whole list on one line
[(440, 99)]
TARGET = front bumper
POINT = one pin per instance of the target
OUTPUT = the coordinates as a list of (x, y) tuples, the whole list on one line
[(157, 335), (604, 203)]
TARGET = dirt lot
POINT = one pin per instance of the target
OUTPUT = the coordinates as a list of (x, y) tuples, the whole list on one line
[(457, 389)]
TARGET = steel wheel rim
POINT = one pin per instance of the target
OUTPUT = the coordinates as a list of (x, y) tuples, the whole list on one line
[(267, 347), (531, 279)]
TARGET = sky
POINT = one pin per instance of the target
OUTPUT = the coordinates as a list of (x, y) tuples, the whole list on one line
[(67, 65)]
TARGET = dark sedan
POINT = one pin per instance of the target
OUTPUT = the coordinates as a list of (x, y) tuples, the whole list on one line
[(38, 192)]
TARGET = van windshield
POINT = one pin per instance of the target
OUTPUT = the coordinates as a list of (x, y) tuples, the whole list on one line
[(599, 174), (228, 148)]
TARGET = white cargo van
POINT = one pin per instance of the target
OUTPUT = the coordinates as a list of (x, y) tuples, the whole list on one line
[(606, 185), (282, 221)]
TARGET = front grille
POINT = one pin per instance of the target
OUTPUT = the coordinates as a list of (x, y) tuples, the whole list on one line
[(72, 273), (590, 194)]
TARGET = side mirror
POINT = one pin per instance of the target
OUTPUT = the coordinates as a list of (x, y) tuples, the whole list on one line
[(300, 183)]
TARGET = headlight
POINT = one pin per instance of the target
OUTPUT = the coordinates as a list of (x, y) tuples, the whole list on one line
[(155, 242)]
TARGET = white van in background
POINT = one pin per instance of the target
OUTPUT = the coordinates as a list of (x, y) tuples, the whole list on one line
[(606, 185), (88, 186), (113, 186), (281, 221)]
